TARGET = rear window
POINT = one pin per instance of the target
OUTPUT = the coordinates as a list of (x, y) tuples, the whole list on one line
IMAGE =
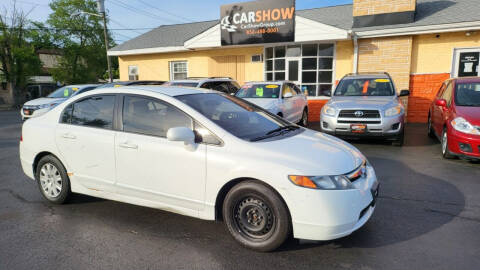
[(259, 91), (365, 87)]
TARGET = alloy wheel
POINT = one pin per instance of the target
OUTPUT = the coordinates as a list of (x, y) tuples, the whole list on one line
[(50, 180)]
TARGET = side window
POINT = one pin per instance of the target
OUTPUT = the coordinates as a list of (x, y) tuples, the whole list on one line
[(204, 135), (221, 86), (95, 111), (297, 90), (67, 115), (151, 117), (288, 89), (447, 94), (234, 87), (206, 85)]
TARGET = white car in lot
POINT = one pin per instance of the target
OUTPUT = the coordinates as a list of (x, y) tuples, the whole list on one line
[(204, 154), (39, 106), (281, 98)]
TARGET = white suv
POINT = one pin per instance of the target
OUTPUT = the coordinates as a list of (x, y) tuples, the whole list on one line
[(281, 98)]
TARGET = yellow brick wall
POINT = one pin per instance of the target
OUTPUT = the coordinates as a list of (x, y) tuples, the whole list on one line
[(391, 54), (432, 54), (156, 66), (344, 58), (372, 7)]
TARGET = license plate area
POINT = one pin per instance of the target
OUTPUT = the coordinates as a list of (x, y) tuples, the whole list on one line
[(358, 128)]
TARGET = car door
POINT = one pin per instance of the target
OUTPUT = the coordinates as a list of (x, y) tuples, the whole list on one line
[(85, 139), (151, 168), (300, 101), (441, 113), (436, 110)]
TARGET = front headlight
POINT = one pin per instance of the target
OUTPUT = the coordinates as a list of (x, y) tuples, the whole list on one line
[(338, 182), (394, 110), (329, 110), (462, 125)]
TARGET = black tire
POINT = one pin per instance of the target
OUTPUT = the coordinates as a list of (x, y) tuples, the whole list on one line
[(256, 216), (431, 133), (304, 120), (280, 114), (445, 152), (400, 140), (65, 192)]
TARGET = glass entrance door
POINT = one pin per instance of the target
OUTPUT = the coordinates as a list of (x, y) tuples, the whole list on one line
[(293, 67)]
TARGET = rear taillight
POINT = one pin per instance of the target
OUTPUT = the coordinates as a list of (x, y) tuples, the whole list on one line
[(21, 138)]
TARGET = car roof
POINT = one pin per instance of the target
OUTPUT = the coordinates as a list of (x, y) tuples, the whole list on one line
[(269, 82), (81, 85), (201, 79), (367, 76), (165, 90), (467, 80)]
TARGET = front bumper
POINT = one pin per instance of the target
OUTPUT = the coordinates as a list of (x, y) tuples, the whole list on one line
[(385, 127), (327, 215), (470, 142)]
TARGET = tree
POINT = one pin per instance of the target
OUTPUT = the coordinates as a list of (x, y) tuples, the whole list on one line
[(18, 60), (80, 37)]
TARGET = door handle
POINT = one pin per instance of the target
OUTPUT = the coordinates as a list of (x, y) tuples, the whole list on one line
[(69, 136), (128, 145)]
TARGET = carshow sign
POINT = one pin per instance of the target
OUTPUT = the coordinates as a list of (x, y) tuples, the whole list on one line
[(265, 21)]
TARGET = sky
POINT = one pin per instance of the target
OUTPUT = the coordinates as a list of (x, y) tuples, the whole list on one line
[(141, 14)]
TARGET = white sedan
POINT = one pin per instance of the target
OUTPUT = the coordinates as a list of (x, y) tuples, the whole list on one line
[(203, 154)]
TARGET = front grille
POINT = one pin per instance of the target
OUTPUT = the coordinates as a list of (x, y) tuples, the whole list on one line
[(358, 122), (364, 114)]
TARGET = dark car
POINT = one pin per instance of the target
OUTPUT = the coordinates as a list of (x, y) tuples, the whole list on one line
[(454, 117)]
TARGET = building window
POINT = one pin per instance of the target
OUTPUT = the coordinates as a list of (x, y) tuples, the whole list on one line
[(310, 66), (178, 70), (132, 73), (466, 62)]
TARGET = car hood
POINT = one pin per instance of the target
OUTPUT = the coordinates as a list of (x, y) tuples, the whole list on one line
[(265, 103), (377, 103), (471, 114), (314, 152), (43, 101)]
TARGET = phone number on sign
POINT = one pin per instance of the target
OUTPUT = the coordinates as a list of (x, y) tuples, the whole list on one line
[(263, 31)]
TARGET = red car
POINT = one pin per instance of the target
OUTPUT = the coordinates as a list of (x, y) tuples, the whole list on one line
[(454, 118)]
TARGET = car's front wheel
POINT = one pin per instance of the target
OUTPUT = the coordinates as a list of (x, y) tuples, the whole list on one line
[(52, 180), (304, 120), (256, 216), (445, 152)]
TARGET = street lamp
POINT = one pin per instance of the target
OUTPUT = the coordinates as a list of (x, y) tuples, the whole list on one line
[(101, 10)]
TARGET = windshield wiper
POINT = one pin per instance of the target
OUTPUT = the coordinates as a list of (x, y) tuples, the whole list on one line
[(275, 132)]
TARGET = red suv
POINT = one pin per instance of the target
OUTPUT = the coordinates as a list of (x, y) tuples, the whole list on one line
[(454, 118)]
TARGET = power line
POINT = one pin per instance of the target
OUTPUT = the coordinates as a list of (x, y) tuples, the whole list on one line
[(164, 11), (138, 11), (71, 29), (121, 25)]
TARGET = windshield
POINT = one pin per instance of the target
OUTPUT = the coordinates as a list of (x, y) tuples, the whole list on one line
[(242, 119), (64, 92), (468, 94), (259, 91), (365, 87), (185, 84)]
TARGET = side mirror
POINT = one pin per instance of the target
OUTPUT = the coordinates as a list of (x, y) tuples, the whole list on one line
[(404, 93), (288, 95), (181, 134), (441, 102), (327, 93)]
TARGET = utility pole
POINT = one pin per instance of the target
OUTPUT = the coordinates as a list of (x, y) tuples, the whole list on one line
[(101, 10)]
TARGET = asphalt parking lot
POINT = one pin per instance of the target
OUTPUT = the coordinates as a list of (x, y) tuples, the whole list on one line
[(427, 217)]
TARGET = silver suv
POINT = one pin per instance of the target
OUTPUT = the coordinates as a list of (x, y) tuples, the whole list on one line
[(365, 105), (223, 84)]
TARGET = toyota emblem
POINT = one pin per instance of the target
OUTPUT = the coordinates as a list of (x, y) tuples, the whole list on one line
[(358, 114)]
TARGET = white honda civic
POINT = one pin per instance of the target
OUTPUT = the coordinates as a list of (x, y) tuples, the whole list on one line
[(203, 154)]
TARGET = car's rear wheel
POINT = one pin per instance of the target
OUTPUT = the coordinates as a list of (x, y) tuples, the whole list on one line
[(256, 217), (52, 180), (431, 134), (445, 152), (304, 120)]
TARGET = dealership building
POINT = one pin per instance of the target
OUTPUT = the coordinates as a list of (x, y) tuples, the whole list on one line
[(420, 43)]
